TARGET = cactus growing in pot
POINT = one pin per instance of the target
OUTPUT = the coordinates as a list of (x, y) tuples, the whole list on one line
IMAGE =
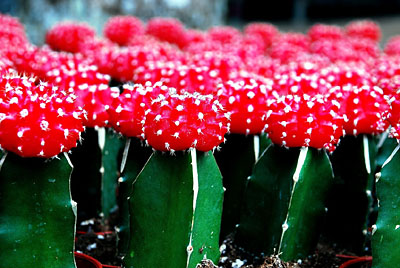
[(284, 199), (176, 199), (37, 220)]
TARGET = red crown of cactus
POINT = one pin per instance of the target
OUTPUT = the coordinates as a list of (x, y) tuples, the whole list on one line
[(37, 120), (364, 29), (190, 78), (296, 121), (362, 107), (127, 111), (176, 122), (12, 32), (68, 36), (120, 29), (245, 99), (323, 31), (167, 29), (393, 117), (266, 31)]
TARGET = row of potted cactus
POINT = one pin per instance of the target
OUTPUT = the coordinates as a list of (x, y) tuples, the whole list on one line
[(218, 132)]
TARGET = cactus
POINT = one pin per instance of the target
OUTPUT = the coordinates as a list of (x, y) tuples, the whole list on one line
[(385, 238), (37, 219), (176, 207), (285, 198), (285, 202)]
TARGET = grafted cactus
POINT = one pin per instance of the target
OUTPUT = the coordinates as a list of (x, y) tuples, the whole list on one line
[(284, 203), (37, 219)]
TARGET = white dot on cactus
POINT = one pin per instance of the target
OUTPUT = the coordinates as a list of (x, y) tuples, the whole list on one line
[(42, 142), (176, 135), (309, 131), (41, 153), (251, 94), (179, 108), (177, 123), (14, 100), (284, 135), (200, 77), (231, 99), (310, 119), (44, 125), (24, 113), (159, 132), (158, 117), (66, 133), (250, 108), (283, 123), (199, 131), (285, 226), (76, 115), (200, 115), (213, 73), (20, 134), (167, 146)]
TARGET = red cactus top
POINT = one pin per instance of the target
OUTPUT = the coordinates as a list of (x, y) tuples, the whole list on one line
[(37, 120)]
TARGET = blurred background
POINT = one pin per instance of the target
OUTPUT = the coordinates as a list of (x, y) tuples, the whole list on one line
[(288, 15)]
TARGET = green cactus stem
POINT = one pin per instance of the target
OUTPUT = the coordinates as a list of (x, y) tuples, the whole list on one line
[(236, 160), (284, 202), (110, 144), (386, 231), (37, 214), (385, 148), (176, 207), (135, 156), (350, 201), (96, 172)]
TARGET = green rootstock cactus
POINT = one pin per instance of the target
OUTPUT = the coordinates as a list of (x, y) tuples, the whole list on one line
[(236, 160), (284, 201), (37, 219), (176, 207), (135, 156), (95, 176), (386, 231)]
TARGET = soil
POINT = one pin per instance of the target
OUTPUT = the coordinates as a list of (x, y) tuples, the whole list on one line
[(99, 241)]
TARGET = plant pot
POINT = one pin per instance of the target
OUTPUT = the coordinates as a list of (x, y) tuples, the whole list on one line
[(85, 261), (356, 262)]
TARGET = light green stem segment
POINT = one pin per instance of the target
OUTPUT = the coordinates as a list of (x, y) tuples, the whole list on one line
[(135, 156), (312, 180), (37, 214), (110, 145), (169, 225), (386, 234), (284, 202)]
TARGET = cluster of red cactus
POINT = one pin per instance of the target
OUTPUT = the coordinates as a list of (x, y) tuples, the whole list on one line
[(184, 88)]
